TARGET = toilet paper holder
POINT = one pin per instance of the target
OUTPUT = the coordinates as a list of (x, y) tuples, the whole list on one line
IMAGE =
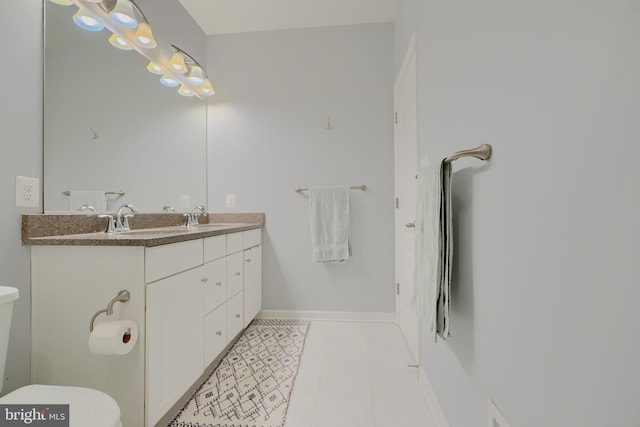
[(123, 296)]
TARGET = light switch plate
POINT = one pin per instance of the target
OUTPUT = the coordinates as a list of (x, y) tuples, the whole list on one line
[(27, 192)]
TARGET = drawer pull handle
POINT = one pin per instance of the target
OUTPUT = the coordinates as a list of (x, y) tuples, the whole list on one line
[(205, 280), (219, 333), (248, 259), (237, 273), (218, 283), (238, 316)]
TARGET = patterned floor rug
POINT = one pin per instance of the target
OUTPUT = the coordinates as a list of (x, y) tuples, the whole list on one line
[(252, 384)]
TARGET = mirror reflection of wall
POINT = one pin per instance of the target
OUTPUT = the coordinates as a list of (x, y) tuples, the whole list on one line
[(109, 125)]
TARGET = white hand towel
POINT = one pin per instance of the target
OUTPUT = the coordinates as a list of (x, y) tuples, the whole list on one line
[(94, 198), (330, 220), (434, 247)]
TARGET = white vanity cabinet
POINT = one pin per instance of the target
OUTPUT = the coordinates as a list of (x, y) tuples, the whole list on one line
[(186, 299)]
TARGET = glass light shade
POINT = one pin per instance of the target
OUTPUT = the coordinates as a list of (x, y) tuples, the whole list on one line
[(196, 76), (206, 89), (62, 2), (185, 91), (177, 63), (119, 43), (95, 1), (86, 21), (169, 81), (122, 14), (144, 36), (154, 68)]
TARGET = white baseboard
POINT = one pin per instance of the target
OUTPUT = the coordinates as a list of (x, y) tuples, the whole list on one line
[(328, 315), (432, 399)]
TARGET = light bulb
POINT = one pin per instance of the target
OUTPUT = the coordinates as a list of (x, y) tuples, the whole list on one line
[(154, 68), (197, 76), (122, 14), (86, 21), (177, 63), (169, 81), (119, 43), (185, 91), (206, 89), (144, 36)]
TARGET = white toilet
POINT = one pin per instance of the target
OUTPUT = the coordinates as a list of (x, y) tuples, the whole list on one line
[(87, 407)]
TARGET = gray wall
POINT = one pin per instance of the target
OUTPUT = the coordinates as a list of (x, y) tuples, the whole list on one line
[(274, 93), (20, 154), (544, 311)]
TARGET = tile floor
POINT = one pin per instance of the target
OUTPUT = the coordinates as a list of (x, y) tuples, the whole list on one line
[(356, 374)]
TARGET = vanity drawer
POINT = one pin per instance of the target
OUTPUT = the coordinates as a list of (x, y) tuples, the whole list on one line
[(252, 238), (215, 247), (166, 260), (235, 274), (234, 242), (235, 316), (215, 284), (215, 334)]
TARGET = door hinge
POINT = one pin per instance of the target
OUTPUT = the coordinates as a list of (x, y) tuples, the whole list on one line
[(397, 203), (397, 288), (395, 117)]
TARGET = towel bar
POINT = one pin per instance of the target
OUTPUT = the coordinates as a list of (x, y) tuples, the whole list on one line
[(106, 193), (353, 187), (482, 152)]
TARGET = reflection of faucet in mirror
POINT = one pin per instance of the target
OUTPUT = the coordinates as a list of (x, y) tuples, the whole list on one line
[(122, 221), (86, 208), (192, 218), (168, 208)]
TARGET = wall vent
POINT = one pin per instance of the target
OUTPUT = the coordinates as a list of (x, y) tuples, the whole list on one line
[(496, 419)]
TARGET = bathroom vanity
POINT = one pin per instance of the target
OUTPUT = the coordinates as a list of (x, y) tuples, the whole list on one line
[(192, 292)]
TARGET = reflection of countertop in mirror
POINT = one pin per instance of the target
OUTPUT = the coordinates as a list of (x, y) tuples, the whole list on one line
[(147, 229)]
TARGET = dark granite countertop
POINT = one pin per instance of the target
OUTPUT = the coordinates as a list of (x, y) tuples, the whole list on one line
[(88, 230)]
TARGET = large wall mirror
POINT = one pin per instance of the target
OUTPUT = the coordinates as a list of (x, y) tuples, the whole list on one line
[(110, 126)]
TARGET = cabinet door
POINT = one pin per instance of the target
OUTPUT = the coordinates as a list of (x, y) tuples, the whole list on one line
[(174, 340), (235, 272), (252, 283), (235, 307), (215, 334), (215, 284)]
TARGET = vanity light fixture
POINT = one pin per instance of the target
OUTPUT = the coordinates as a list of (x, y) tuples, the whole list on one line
[(197, 80), (196, 76), (131, 31), (177, 63), (123, 14), (154, 68), (119, 43), (86, 21), (185, 91), (169, 81)]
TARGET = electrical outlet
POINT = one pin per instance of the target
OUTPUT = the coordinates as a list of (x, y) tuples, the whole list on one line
[(231, 200), (496, 419), (185, 201), (27, 192)]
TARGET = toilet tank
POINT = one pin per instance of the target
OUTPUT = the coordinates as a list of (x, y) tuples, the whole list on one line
[(8, 295)]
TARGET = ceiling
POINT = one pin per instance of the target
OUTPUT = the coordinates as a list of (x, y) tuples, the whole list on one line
[(240, 16)]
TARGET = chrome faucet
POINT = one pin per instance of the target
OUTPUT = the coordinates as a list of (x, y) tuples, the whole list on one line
[(122, 221), (192, 218)]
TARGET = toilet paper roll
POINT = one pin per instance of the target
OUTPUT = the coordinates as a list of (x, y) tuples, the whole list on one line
[(113, 337)]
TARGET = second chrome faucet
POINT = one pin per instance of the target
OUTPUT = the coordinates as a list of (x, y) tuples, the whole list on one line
[(192, 218), (121, 221)]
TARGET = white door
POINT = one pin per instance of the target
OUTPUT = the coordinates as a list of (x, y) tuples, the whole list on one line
[(406, 170)]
